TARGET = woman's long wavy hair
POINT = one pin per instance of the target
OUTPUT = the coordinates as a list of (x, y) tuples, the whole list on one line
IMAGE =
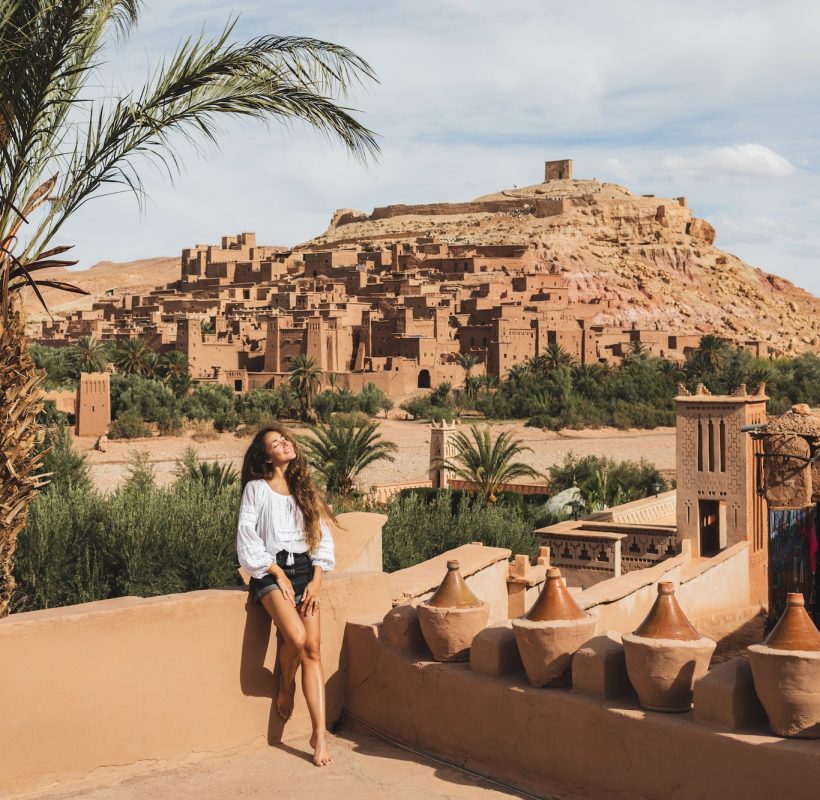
[(257, 466)]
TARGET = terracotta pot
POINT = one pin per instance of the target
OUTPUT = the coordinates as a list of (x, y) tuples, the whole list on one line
[(786, 672), (452, 617), (666, 655), (555, 602), (548, 637), (453, 592)]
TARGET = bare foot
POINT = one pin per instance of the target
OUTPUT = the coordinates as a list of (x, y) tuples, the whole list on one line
[(321, 755), (284, 699)]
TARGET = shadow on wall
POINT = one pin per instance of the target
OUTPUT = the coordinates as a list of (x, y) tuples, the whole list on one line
[(255, 679)]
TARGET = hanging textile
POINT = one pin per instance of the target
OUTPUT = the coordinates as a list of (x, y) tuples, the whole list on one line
[(792, 560)]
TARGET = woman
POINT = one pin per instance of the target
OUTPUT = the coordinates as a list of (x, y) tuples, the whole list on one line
[(284, 543)]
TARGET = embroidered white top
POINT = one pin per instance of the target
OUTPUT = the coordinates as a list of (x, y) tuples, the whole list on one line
[(270, 522)]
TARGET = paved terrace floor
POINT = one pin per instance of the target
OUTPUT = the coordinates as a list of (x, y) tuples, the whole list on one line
[(364, 768)]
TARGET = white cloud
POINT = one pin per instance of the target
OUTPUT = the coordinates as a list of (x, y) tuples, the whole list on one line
[(475, 95), (753, 160)]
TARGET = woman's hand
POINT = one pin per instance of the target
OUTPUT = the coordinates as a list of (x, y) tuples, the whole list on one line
[(310, 598), (283, 582)]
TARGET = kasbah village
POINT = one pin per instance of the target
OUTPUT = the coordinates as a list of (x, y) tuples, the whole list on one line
[(658, 646)]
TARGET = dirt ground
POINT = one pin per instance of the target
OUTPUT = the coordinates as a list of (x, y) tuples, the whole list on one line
[(365, 768), (109, 469)]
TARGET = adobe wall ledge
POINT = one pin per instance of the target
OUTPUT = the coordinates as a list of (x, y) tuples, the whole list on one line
[(136, 680), (558, 742), (614, 589), (422, 578), (699, 566)]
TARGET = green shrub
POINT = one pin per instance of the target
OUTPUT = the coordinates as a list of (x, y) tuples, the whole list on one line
[(68, 468), (226, 421), (418, 529), (141, 477), (262, 405), (209, 401), (169, 423), (80, 546), (129, 425), (371, 400), (604, 482), (147, 398), (421, 407)]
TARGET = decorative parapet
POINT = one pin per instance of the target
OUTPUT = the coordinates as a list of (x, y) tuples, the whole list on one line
[(607, 546), (572, 545)]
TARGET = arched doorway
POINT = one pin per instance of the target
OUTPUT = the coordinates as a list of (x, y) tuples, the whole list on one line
[(424, 379)]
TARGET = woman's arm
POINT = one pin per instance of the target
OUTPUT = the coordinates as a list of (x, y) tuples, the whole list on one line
[(323, 560), (325, 556), (250, 549)]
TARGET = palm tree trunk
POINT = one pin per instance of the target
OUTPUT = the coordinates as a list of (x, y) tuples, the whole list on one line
[(20, 401)]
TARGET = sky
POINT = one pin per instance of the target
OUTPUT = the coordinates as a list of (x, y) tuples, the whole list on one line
[(714, 101)]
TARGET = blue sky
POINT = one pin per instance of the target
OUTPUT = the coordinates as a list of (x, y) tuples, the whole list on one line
[(715, 101)]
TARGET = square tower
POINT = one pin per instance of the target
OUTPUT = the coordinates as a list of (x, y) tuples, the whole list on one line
[(93, 404), (717, 500), (558, 170)]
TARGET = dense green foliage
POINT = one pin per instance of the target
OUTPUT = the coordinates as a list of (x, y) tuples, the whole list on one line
[(67, 469), (604, 482), (79, 545), (487, 462), (419, 527), (371, 400), (552, 391), (338, 452)]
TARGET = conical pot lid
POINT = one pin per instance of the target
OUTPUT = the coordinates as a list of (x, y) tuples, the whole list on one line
[(666, 619), (453, 592), (794, 630), (555, 602)]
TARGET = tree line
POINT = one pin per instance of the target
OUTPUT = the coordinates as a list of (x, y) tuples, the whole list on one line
[(552, 390)]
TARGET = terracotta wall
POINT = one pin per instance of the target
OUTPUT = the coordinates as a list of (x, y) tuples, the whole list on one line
[(130, 680), (556, 742), (705, 586)]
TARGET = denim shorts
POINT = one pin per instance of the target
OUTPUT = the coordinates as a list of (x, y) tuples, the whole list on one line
[(299, 573)]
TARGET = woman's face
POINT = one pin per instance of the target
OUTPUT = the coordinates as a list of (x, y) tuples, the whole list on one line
[(279, 448)]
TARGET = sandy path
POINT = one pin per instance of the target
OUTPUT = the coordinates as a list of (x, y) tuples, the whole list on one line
[(109, 469)]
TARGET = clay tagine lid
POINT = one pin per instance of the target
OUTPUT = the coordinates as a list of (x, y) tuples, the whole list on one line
[(794, 630), (666, 619), (453, 592), (555, 602)]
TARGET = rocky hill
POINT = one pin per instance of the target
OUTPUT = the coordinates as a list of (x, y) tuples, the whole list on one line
[(650, 256)]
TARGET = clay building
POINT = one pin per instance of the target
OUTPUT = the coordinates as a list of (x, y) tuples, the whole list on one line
[(404, 306)]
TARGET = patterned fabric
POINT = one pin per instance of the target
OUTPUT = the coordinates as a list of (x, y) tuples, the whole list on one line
[(792, 560)]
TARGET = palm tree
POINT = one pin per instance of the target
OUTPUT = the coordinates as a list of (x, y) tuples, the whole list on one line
[(556, 355), (517, 373), (713, 350), (305, 381), (467, 361), (473, 384), (133, 357), (175, 372), (341, 450), (637, 350), (59, 146), (486, 463), (88, 354)]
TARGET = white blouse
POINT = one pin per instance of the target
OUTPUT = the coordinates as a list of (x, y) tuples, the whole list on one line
[(270, 522)]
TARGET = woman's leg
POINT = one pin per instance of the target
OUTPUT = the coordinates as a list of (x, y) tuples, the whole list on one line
[(313, 686), (292, 630)]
